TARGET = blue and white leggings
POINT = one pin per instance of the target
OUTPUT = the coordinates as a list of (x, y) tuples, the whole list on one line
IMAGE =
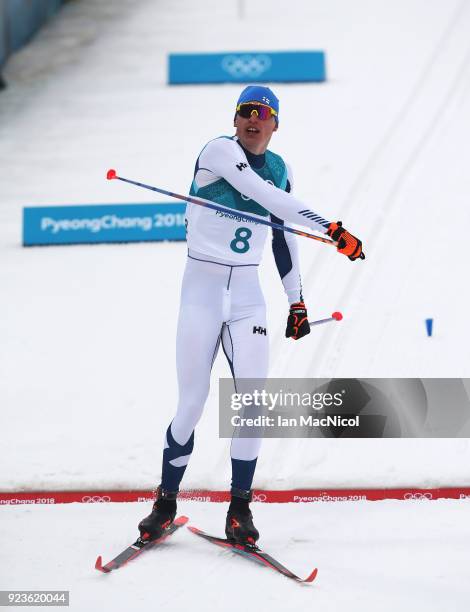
[(221, 304)]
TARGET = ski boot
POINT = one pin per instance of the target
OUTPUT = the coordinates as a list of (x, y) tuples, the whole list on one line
[(162, 515), (239, 526)]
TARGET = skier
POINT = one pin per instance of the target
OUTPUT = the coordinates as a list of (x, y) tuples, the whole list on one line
[(221, 299)]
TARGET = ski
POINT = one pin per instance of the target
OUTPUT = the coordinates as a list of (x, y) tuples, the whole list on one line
[(254, 553), (134, 550)]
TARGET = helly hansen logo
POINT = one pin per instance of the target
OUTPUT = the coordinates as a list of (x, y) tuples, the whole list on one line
[(259, 330), (241, 165)]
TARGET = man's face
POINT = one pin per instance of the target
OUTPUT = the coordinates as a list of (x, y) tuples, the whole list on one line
[(254, 133)]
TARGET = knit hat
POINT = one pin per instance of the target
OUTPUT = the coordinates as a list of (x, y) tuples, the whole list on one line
[(263, 95)]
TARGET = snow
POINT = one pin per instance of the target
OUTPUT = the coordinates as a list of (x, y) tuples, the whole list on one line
[(87, 375), (388, 556)]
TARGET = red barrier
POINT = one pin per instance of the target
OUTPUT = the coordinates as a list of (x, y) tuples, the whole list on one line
[(267, 496)]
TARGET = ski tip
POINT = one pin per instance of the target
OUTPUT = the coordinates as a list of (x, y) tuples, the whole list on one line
[(111, 174), (181, 520), (194, 529), (99, 565), (312, 576), (337, 315)]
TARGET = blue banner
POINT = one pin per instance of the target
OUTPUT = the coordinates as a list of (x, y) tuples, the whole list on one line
[(249, 67), (103, 223)]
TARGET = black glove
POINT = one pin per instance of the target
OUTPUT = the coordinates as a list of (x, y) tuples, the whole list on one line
[(297, 322), (347, 243)]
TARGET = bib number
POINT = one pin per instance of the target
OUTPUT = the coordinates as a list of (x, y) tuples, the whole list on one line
[(240, 243)]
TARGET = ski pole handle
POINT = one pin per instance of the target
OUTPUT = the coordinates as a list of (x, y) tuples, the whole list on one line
[(336, 316)]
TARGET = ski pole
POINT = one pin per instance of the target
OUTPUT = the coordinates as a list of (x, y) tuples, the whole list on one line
[(336, 316), (111, 174)]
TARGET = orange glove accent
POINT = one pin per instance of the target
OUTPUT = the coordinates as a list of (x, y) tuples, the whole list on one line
[(347, 243)]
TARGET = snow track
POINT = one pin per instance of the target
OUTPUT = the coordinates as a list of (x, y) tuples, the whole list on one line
[(409, 238), (371, 555)]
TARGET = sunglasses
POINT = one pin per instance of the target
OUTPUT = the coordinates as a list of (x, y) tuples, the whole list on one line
[(262, 112)]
